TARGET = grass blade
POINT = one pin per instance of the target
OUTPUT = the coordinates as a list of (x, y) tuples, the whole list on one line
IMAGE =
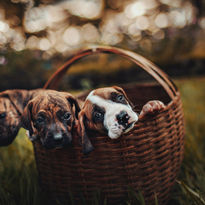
[(193, 194)]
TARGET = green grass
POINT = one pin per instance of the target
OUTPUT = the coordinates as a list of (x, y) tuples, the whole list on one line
[(18, 175), (192, 176), (19, 180)]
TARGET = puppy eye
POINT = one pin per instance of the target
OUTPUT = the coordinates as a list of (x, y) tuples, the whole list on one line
[(98, 115), (66, 116), (120, 98), (2, 115), (40, 120)]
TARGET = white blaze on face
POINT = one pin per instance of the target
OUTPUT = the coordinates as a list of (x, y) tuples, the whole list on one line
[(112, 109)]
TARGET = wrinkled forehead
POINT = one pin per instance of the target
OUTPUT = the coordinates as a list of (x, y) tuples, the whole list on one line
[(105, 93), (104, 99), (51, 103)]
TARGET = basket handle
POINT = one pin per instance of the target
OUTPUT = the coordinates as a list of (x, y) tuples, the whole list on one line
[(145, 64)]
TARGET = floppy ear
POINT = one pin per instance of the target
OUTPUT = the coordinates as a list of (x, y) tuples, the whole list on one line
[(119, 89), (87, 147), (17, 98), (26, 118), (74, 102)]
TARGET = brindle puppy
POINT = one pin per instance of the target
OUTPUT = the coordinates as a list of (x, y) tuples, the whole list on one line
[(50, 117), (12, 103)]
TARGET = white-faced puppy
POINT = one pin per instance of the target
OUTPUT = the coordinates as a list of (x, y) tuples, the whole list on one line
[(12, 103), (106, 110), (50, 117)]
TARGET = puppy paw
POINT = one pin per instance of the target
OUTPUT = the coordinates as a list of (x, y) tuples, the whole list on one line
[(151, 108)]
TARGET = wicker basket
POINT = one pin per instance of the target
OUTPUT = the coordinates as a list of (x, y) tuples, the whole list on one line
[(147, 159)]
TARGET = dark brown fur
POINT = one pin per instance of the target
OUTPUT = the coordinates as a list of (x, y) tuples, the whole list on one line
[(12, 103), (45, 118)]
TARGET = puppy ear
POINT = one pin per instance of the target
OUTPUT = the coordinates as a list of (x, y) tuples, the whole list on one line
[(87, 147), (74, 102), (27, 118), (17, 98), (119, 89)]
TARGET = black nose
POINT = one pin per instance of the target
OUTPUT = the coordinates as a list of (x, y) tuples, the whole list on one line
[(122, 118), (50, 142), (58, 141), (51, 137)]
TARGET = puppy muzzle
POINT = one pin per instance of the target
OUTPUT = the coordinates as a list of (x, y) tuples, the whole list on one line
[(120, 123), (56, 140), (123, 118)]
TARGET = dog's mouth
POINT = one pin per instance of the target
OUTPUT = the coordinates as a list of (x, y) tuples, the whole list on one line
[(56, 143), (59, 144), (116, 130), (122, 123), (129, 127), (53, 145), (126, 120)]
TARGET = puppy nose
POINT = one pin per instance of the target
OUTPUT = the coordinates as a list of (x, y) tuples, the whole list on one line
[(58, 138), (123, 118), (58, 141)]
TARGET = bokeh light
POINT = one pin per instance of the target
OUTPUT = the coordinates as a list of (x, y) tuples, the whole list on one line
[(72, 36), (135, 9), (69, 24), (202, 23)]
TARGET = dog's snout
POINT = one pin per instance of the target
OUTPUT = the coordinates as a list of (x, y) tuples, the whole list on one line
[(56, 137), (122, 118), (58, 141)]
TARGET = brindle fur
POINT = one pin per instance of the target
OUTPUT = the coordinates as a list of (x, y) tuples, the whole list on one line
[(52, 105), (12, 103)]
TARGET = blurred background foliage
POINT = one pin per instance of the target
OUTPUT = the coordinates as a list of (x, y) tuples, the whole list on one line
[(38, 36)]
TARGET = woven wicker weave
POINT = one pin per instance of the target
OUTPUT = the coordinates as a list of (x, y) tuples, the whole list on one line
[(147, 159)]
